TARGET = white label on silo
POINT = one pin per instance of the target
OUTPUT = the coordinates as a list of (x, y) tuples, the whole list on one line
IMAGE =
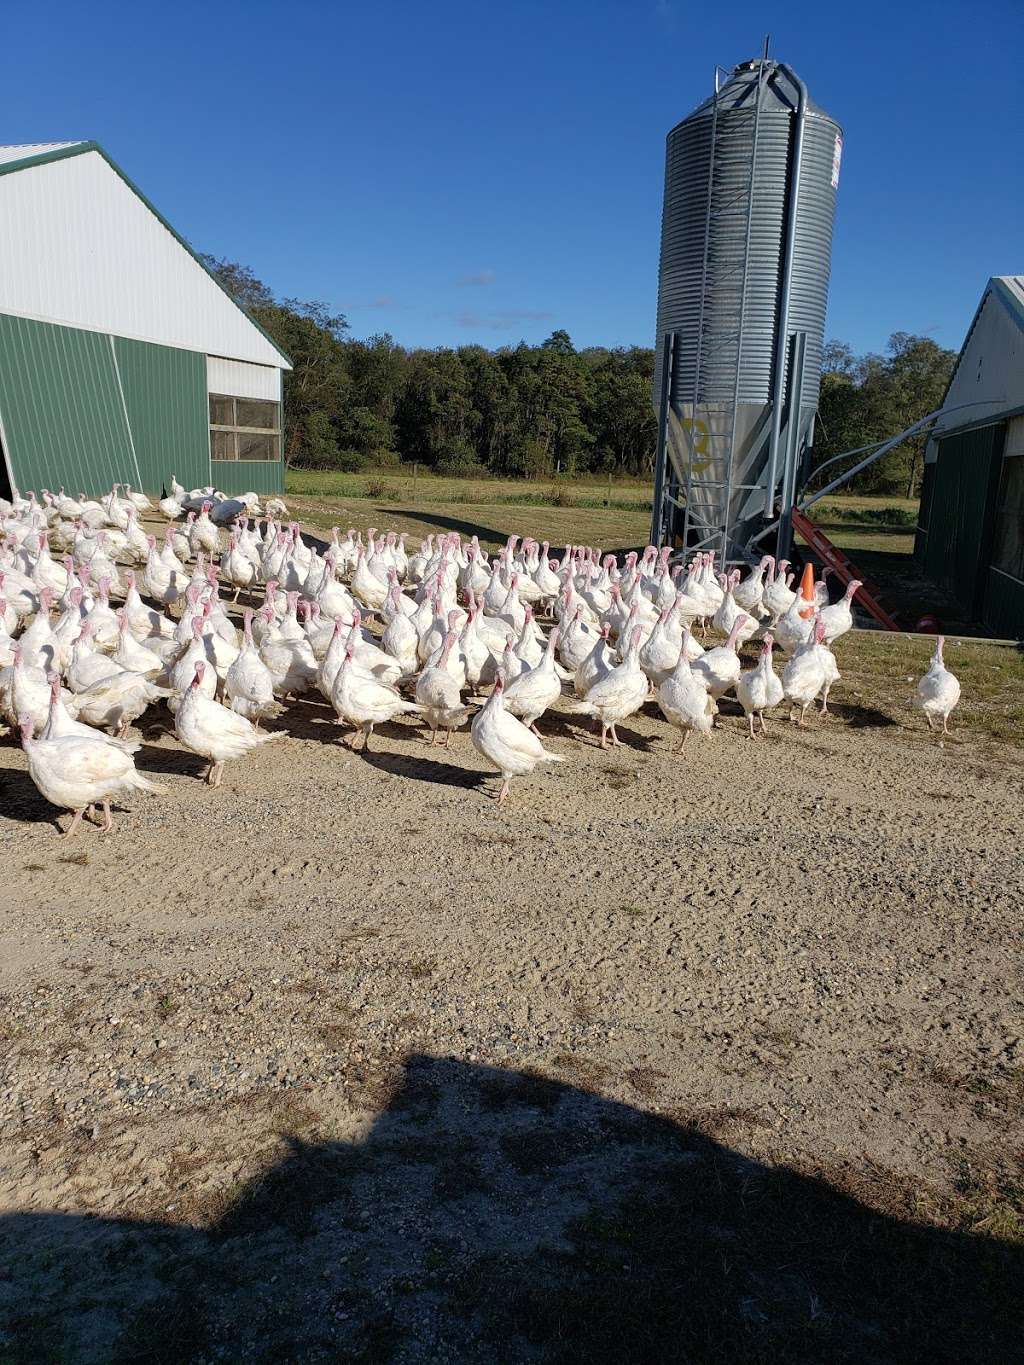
[(837, 156)]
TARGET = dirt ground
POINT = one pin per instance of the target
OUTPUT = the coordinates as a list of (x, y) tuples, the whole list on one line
[(712, 1057)]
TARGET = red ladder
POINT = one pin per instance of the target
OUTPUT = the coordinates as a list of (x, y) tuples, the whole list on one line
[(868, 595)]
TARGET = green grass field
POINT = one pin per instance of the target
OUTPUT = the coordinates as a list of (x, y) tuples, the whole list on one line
[(612, 529), (881, 671), (400, 485), (614, 515)]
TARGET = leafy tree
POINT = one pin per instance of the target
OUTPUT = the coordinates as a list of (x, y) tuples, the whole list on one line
[(321, 442), (559, 341), (868, 398), (531, 411), (240, 283)]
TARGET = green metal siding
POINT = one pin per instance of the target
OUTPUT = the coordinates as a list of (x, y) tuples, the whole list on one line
[(165, 394), (961, 504), (247, 476), (1003, 609), (61, 408), (924, 513)]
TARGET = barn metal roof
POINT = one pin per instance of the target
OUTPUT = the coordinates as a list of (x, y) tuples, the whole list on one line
[(28, 151), (1010, 289)]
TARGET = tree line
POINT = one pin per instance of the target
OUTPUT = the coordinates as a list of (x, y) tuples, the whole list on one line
[(868, 398), (537, 411)]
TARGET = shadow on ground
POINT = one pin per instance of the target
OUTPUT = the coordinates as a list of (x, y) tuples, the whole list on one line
[(485, 533), (427, 765), (503, 1216), (20, 800)]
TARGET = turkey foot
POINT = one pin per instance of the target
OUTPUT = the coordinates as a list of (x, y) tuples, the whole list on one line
[(76, 820)]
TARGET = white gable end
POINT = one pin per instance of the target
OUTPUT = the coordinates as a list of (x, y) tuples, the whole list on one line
[(989, 374), (79, 247)]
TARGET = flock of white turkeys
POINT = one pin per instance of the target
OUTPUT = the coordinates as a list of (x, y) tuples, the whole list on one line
[(76, 671)]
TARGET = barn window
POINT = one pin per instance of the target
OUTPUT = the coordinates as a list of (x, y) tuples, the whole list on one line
[(244, 428)]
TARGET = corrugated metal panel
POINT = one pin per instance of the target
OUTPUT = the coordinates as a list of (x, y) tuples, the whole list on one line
[(240, 380), (81, 248), (24, 151), (1003, 608), (60, 402), (1011, 290), (247, 476), (964, 486), (168, 410), (685, 226)]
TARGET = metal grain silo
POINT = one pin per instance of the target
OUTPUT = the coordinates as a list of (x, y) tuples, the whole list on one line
[(750, 188)]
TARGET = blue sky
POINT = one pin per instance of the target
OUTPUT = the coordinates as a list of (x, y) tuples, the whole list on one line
[(455, 172)]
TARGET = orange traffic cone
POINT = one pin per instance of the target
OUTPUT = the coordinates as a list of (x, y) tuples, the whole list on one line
[(807, 598)]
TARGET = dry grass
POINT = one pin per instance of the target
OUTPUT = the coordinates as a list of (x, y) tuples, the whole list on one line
[(613, 529), (881, 672), (389, 485)]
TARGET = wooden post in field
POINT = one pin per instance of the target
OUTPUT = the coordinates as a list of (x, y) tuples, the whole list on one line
[(608, 500), (415, 467)]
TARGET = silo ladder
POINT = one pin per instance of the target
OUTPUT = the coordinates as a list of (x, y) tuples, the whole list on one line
[(868, 594)]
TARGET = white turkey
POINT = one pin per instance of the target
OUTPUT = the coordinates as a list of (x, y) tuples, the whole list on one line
[(237, 568), (25, 692), (437, 693), (598, 664), (804, 675), (505, 742), (778, 596), (758, 689), (213, 731), (729, 613), (362, 701), (684, 699), (76, 772), (535, 689), (618, 694), (203, 535), (249, 684), (367, 588), (838, 618), (720, 667), (938, 692), (749, 594), (85, 665), (132, 655), (117, 701), (59, 722), (661, 648), (796, 626)]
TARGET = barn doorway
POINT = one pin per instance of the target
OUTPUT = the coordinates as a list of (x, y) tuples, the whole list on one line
[(5, 477)]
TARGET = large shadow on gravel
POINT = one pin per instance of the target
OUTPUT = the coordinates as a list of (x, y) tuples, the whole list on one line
[(20, 799), (503, 1216), (428, 765), (487, 534)]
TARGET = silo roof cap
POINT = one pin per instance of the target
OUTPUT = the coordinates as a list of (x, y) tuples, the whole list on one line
[(781, 91)]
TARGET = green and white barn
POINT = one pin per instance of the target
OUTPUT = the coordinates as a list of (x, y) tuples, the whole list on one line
[(971, 526), (122, 360)]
